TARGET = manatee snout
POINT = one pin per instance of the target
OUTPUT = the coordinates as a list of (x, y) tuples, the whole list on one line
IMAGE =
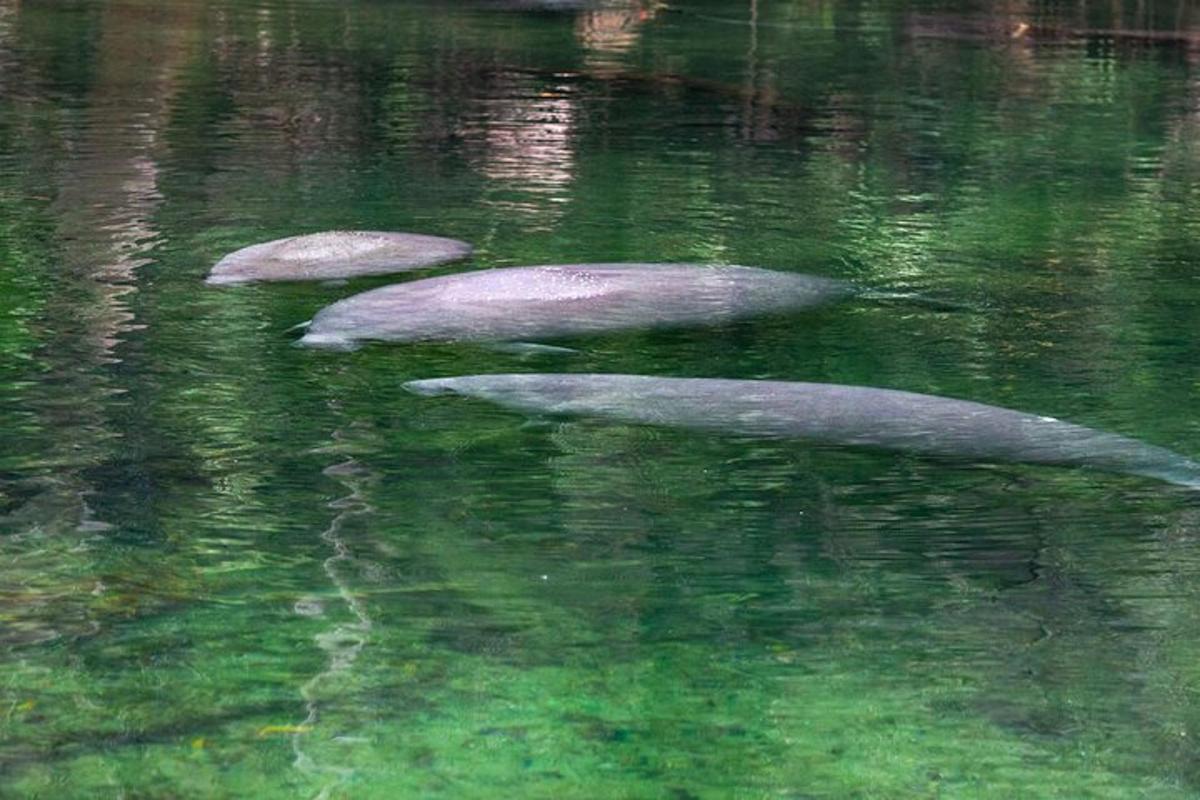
[(431, 387), (327, 341), (225, 279)]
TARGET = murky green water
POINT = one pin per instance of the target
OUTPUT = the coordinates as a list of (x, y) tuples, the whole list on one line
[(230, 567)]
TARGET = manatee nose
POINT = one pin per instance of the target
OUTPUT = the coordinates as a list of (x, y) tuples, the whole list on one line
[(430, 388), (326, 341)]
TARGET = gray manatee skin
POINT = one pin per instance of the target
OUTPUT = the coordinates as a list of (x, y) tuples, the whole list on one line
[(524, 303), (335, 254), (829, 413)]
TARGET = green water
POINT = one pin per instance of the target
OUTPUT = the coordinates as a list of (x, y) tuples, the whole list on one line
[(231, 567)]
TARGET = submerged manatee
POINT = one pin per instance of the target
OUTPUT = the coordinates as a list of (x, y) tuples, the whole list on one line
[(335, 254), (521, 303), (829, 413)]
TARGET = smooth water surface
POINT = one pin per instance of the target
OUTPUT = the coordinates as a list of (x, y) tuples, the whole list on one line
[(232, 567)]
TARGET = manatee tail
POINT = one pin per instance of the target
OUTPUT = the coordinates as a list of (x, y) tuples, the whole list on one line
[(1186, 475)]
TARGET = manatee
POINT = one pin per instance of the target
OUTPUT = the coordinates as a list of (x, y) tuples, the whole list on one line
[(335, 254), (828, 413), (522, 303)]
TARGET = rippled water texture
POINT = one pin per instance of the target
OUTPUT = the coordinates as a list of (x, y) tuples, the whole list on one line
[(233, 567)]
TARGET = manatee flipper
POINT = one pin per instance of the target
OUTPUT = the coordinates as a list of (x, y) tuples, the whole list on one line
[(529, 349)]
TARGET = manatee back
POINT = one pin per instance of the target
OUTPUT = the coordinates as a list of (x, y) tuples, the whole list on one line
[(830, 413), (569, 299), (335, 254)]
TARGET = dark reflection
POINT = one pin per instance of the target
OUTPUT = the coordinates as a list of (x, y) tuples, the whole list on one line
[(1023, 23), (105, 195)]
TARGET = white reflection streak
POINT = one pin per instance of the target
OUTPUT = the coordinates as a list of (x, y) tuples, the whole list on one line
[(264, 39), (527, 145), (8, 16), (531, 144), (345, 641)]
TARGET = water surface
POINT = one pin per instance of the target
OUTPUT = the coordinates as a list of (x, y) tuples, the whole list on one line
[(231, 567)]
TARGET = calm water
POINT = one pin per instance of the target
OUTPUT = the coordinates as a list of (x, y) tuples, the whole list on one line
[(230, 567)]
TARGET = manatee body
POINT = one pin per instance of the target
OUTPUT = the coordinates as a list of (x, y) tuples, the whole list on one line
[(335, 254), (522, 303), (829, 413)]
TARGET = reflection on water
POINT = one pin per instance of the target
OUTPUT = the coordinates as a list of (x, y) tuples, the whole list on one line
[(8, 18), (105, 191), (608, 33), (200, 596), (345, 641), (524, 141)]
